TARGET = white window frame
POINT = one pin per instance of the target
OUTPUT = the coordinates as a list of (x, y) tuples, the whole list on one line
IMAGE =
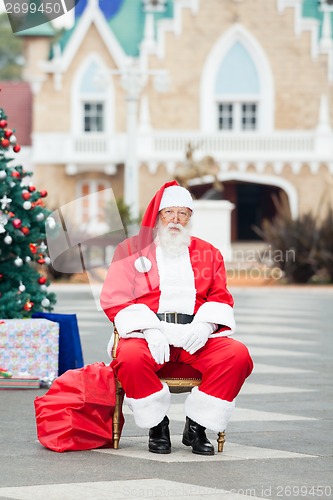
[(208, 97), (106, 95), (91, 101), (237, 102)]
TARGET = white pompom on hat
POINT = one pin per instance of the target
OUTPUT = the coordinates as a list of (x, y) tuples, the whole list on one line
[(176, 196)]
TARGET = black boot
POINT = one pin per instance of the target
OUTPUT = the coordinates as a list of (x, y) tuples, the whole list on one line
[(194, 435), (159, 437)]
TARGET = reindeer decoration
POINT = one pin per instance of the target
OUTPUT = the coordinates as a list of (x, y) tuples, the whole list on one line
[(192, 169)]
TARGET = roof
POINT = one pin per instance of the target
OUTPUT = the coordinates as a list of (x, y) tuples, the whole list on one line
[(16, 101), (126, 19)]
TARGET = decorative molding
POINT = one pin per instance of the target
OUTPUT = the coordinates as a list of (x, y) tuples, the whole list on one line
[(302, 24), (92, 15), (167, 25)]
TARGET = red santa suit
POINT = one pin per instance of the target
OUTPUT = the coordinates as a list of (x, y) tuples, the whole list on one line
[(144, 280)]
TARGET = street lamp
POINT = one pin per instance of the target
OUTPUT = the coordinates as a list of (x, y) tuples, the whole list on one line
[(133, 80)]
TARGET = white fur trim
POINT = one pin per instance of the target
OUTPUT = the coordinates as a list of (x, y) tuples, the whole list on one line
[(142, 265), (208, 411), (176, 196), (216, 312), (151, 410), (177, 285), (135, 317)]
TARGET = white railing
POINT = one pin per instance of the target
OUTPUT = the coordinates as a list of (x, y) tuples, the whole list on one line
[(225, 143), (171, 145)]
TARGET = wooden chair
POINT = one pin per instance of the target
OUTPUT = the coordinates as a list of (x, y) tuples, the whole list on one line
[(187, 378)]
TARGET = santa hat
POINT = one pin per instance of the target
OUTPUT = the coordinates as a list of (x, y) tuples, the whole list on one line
[(176, 196), (169, 195)]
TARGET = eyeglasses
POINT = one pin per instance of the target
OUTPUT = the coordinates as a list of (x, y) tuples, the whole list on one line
[(169, 215)]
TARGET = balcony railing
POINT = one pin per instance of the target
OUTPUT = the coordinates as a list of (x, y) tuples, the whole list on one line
[(171, 146)]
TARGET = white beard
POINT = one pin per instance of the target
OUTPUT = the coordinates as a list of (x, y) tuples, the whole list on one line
[(174, 242)]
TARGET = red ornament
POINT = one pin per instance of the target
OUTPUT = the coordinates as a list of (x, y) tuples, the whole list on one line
[(43, 193), (11, 214), (17, 148), (1, 276), (42, 280), (17, 223), (26, 195), (33, 248), (3, 123), (25, 230), (16, 174), (41, 261), (5, 143), (28, 305), (8, 133), (31, 188)]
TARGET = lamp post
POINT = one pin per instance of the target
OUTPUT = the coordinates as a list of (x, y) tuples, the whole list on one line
[(133, 80)]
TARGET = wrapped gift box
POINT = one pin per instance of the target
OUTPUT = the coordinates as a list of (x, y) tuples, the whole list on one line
[(29, 346), (19, 383)]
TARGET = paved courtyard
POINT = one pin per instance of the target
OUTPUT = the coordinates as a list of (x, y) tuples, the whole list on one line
[(279, 441)]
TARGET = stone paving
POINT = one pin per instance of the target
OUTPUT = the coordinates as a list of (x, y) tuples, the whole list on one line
[(279, 441)]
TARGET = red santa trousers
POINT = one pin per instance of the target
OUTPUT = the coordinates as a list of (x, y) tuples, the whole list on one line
[(224, 363)]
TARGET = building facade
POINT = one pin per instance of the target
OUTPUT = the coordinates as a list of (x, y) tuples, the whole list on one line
[(122, 96)]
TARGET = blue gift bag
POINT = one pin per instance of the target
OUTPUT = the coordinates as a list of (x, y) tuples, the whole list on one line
[(70, 351)]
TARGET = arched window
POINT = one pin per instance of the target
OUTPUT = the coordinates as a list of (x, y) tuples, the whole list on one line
[(237, 86), (92, 98), (237, 91)]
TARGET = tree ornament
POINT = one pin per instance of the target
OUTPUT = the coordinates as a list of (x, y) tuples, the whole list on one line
[(5, 201), (27, 205), (13, 140), (42, 280), (40, 216), (25, 230), (21, 287), (31, 188), (3, 123), (28, 258), (43, 193), (8, 239), (47, 261), (33, 248), (17, 148), (16, 174), (18, 262), (8, 133), (3, 174), (45, 302), (28, 305), (42, 247), (5, 143), (43, 288), (41, 261), (51, 223), (26, 195), (17, 223)]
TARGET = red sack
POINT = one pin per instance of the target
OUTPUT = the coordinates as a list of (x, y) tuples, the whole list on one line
[(76, 412)]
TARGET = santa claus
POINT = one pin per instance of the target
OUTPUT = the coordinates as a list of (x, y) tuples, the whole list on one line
[(166, 293)]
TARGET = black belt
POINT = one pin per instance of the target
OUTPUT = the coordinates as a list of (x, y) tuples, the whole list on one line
[(173, 317)]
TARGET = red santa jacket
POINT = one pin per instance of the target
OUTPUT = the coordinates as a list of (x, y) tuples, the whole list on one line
[(131, 295)]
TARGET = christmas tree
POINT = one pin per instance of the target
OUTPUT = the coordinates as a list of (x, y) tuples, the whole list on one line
[(23, 252)]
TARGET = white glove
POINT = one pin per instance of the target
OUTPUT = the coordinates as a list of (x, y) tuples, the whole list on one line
[(158, 345), (198, 336), (175, 333)]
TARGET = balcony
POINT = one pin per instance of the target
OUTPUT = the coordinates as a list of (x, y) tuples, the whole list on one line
[(99, 149)]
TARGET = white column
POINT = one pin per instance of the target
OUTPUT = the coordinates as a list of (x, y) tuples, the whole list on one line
[(133, 82)]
